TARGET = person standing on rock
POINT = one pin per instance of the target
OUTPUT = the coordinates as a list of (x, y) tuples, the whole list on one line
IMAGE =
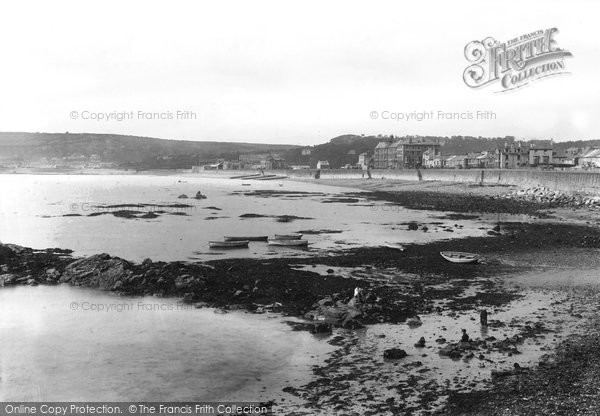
[(465, 336)]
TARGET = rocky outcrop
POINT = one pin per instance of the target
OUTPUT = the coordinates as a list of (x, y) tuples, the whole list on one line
[(99, 271)]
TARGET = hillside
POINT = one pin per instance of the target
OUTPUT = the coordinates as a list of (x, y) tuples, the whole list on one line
[(125, 151)]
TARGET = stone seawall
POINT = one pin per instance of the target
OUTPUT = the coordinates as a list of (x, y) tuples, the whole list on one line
[(565, 181)]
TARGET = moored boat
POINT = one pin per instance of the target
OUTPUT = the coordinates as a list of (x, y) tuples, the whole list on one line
[(294, 236), (459, 256), (288, 243), (249, 238), (228, 244)]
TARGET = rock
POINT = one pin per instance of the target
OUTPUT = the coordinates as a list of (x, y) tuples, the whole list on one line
[(441, 340), (455, 354), (420, 343), (321, 328), (325, 302), (99, 271), (147, 262), (184, 281), (330, 271), (52, 272), (394, 354), (414, 321), (199, 195), (7, 279), (182, 196), (413, 226), (445, 351)]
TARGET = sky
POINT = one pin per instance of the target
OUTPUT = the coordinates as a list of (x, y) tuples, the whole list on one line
[(294, 72)]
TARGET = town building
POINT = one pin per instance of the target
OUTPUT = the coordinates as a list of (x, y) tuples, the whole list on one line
[(404, 153), (380, 155), (515, 155), (486, 160), (271, 162), (323, 164), (364, 159), (590, 159), (540, 156), (432, 160)]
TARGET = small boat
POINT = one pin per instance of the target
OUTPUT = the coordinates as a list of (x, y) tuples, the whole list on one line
[(393, 246), (228, 244), (459, 256), (288, 236), (288, 243), (248, 238)]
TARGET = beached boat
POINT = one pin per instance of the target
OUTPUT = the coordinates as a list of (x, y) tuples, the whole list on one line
[(459, 256), (248, 238), (288, 243), (288, 236), (228, 244), (393, 246)]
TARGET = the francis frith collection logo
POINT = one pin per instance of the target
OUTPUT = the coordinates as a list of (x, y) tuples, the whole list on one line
[(515, 63)]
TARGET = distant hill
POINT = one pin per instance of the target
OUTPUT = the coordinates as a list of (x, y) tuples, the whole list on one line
[(151, 153), (125, 151)]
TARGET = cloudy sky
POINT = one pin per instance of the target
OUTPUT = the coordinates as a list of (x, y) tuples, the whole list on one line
[(296, 72)]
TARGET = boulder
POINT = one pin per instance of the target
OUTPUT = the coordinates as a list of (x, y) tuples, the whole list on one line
[(321, 328), (98, 271), (420, 343), (200, 195), (182, 196), (414, 321)]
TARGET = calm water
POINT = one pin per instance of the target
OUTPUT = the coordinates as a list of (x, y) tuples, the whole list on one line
[(49, 351), (32, 209)]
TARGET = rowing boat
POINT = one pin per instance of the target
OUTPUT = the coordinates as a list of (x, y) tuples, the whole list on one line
[(249, 238), (228, 244), (393, 246), (459, 256), (288, 243), (288, 236)]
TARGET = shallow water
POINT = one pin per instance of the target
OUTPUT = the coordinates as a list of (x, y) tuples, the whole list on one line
[(110, 348), (33, 209)]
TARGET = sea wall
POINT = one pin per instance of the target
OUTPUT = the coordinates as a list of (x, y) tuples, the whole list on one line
[(565, 181)]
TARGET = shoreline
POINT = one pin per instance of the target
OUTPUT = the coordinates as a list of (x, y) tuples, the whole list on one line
[(397, 285)]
